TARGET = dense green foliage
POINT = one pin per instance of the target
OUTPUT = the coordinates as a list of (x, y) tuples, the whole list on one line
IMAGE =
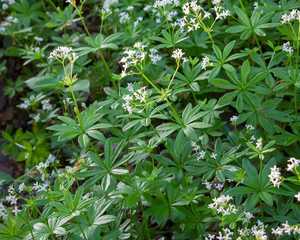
[(161, 119)]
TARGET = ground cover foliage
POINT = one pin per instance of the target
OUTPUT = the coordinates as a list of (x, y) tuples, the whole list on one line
[(161, 119)]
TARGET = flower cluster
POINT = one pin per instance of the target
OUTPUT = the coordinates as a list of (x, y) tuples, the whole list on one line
[(61, 53), (286, 47), (7, 3), (133, 56), (199, 153), (177, 54), (293, 15), (286, 229), (12, 199), (194, 15), (226, 234), (205, 62), (8, 21), (124, 17), (31, 101), (213, 185), (275, 176), (293, 163), (222, 205), (164, 3), (154, 55), (134, 99)]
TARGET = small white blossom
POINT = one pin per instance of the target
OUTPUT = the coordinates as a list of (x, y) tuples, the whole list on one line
[(177, 54), (134, 98), (259, 232), (221, 13), (292, 164), (205, 62), (164, 3), (124, 17), (216, 2), (293, 15), (234, 119), (3, 211), (61, 53), (286, 47), (275, 176), (108, 4), (259, 143), (11, 199), (16, 210), (46, 105), (249, 127), (222, 205), (21, 187), (298, 196), (154, 56)]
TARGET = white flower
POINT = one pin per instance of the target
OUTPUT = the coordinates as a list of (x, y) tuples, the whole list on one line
[(21, 187), (108, 3), (292, 164), (275, 176), (46, 105), (221, 13), (249, 127), (286, 47), (259, 143), (177, 54), (61, 53), (16, 210), (222, 205), (298, 196), (216, 2), (186, 8), (40, 187), (38, 39), (248, 216), (164, 3), (290, 16), (205, 62), (3, 211), (207, 184), (154, 56), (233, 119), (259, 232), (135, 96), (51, 159), (11, 199), (213, 156), (285, 228), (124, 17)]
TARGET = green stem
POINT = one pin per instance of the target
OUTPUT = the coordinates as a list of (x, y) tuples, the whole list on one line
[(172, 79), (83, 234), (242, 5), (82, 19), (173, 110), (150, 82), (107, 68), (297, 68), (76, 108)]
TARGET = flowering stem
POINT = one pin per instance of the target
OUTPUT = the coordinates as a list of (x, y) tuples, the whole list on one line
[(297, 69), (173, 110), (150, 82), (79, 12), (76, 109), (172, 79)]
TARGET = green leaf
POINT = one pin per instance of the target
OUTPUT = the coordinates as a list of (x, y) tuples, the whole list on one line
[(222, 83)]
